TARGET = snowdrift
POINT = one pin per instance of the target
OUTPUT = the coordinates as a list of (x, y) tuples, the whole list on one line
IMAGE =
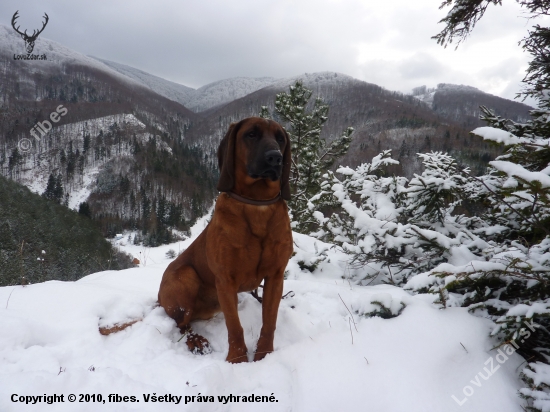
[(331, 354)]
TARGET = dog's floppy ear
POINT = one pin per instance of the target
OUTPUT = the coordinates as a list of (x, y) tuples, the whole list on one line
[(285, 177), (226, 159)]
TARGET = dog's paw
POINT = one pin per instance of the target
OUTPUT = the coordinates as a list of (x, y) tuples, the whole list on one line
[(258, 356), (264, 347), (198, 344), (237, 359), (237, 354)]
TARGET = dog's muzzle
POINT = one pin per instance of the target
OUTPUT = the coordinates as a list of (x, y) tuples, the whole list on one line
[(274, 160), (270, 167)]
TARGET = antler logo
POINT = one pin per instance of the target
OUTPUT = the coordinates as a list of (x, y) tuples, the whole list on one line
[(29, 40)]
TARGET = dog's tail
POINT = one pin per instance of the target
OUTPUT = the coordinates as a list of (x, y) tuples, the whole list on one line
[(117, 327)]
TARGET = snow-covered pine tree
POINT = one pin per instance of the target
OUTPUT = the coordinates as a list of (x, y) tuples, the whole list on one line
[(512, 285), (497, 264), (519, 181), (312, 156), (394, 228)]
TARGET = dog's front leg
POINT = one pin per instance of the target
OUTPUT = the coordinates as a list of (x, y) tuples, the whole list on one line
[(227, 296), (273, 292)]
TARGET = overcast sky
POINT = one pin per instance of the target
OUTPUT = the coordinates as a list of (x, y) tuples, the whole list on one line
[(197, 42)]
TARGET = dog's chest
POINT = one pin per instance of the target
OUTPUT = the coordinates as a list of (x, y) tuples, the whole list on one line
[(251, 245), (262, 224), (266, 234)]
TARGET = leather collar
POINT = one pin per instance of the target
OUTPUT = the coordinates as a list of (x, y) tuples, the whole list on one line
[(252, 201)]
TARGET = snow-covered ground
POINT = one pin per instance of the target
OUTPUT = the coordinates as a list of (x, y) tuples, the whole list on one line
[(328, 355)]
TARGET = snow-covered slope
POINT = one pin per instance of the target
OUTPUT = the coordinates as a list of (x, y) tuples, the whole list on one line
[(461, 103), (312, 80), (225, 91), (171, 90), (426, 95), (329, 356), (204, 98), (37, 167), (57, 54)]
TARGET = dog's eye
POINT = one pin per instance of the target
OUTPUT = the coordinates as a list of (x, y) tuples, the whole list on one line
[(251, 135), (280, 139)]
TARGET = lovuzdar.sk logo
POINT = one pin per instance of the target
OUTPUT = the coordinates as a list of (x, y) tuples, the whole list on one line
[(29, 39)]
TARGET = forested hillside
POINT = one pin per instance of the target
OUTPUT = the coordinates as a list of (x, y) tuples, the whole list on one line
[(119, 147), (382, 120), (461, 104), (41, 240), (137, 159)]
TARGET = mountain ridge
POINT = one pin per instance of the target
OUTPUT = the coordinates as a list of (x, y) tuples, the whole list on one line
[(206, 97), (169, 162)]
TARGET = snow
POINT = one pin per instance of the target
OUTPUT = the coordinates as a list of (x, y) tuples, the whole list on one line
[(497, 135), (328, 354), (424, 94), (314, 80), (427, 95), (441, 87), (515, 170), (539, 374), (225, 91), (81, 193), (528, 310)]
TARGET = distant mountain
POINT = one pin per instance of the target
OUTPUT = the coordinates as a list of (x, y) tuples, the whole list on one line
[(130, 146), (57, 56), (119, 145), (204, 98), (171, 90), (382, 120), (461, 104), (225, 91)]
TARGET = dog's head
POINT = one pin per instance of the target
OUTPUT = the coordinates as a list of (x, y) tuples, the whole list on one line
[(258, 147)]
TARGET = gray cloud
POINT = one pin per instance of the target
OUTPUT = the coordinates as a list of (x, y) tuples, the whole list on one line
[(421, 66), (195, 43)]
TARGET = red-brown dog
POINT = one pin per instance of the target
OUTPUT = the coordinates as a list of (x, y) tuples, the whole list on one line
[(248, 240)]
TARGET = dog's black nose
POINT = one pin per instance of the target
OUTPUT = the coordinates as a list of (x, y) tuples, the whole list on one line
[(274, 158)]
